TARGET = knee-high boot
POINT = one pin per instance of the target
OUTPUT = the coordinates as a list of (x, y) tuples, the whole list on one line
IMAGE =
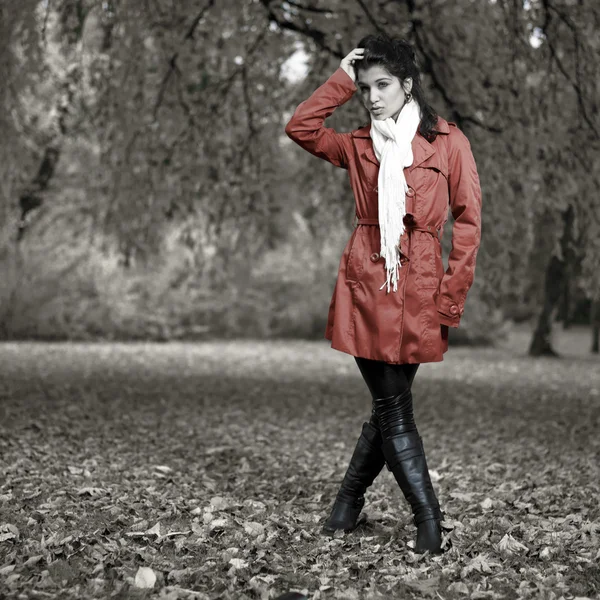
[(366, 463), (405, 457)]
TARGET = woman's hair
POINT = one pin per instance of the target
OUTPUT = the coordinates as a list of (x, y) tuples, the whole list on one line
[(399, 58)]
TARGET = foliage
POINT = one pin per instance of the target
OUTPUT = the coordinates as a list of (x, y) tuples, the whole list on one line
[(169, 127)]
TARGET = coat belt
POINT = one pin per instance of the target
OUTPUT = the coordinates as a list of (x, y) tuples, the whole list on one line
[(427, 229)]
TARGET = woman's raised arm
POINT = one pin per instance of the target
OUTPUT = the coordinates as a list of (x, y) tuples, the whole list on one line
[(306, 127)]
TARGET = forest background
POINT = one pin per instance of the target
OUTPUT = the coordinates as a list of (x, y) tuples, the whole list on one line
[(148, 190)]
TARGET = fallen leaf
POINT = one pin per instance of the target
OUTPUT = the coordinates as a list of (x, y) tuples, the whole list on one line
[(154, 530), (8, 532), (509, 544), (253, 528), (466, 496), (218, 503), (217, 523), (7, 569), (163, 468), (460, 587), (91, 491), (145, 578), (487, 503), (480, 563), (238, 563)]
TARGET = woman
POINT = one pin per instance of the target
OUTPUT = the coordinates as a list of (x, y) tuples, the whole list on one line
[(393, 302)]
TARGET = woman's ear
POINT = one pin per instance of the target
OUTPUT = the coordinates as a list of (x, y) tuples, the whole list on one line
[(408, 84)]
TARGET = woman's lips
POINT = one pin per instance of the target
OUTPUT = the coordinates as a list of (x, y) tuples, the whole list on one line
[(376, 111)]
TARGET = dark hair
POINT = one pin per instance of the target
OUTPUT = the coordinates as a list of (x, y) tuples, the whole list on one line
[(399, 58)]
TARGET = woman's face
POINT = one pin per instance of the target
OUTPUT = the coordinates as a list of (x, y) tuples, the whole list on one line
[(381, 90)]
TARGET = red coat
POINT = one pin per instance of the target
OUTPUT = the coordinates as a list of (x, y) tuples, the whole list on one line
[(411, 324)]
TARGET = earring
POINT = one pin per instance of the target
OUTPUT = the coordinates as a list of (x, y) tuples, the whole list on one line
[(408, 97)]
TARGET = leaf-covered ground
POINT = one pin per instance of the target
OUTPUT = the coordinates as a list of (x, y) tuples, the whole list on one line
[(206, 471)]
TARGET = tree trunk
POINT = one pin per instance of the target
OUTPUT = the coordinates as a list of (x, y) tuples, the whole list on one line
[(564, 311), (555, 282), (541, 344), (32, 198), (595, 322)]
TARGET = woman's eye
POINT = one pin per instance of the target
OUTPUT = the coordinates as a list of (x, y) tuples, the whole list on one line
[(384, 84)]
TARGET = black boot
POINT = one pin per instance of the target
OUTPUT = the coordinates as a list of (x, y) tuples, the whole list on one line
[(405, 458), (366, 463)]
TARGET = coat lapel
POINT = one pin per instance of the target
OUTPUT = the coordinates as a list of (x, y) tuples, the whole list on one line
[(421, 149)]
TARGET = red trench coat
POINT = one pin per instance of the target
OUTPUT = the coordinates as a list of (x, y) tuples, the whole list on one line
[(411, 324)]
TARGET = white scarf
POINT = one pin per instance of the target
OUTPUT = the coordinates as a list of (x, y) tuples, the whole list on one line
[(392, 145)]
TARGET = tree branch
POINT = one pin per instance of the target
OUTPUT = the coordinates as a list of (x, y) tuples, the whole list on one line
[(370, 16), (575, 84), (173, 68), (309, 8), (315, 34), (429, 68)]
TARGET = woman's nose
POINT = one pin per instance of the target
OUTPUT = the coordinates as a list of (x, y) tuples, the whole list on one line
[(374, 96)]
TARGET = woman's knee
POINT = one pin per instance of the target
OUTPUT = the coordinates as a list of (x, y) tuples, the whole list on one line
[(390, 386), (395, 414)]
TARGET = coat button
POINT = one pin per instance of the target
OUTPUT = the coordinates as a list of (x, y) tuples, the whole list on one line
[(375, 256), (410, 192), (454, 309)]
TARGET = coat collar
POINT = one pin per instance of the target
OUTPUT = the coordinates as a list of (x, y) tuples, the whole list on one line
[(441, 127), (421, 148)]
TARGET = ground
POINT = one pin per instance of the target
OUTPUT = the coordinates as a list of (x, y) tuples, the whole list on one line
[(211, 467)]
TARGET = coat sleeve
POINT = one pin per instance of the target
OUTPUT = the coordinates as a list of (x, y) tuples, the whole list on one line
[(306, 127), (465, 204)]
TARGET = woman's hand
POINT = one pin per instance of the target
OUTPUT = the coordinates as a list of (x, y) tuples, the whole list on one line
[(348, 62)]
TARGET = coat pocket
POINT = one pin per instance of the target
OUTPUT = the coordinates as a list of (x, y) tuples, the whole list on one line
[(426, 260), (355, 260)]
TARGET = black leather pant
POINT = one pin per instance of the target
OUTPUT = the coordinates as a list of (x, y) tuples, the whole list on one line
[(389, 385)]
